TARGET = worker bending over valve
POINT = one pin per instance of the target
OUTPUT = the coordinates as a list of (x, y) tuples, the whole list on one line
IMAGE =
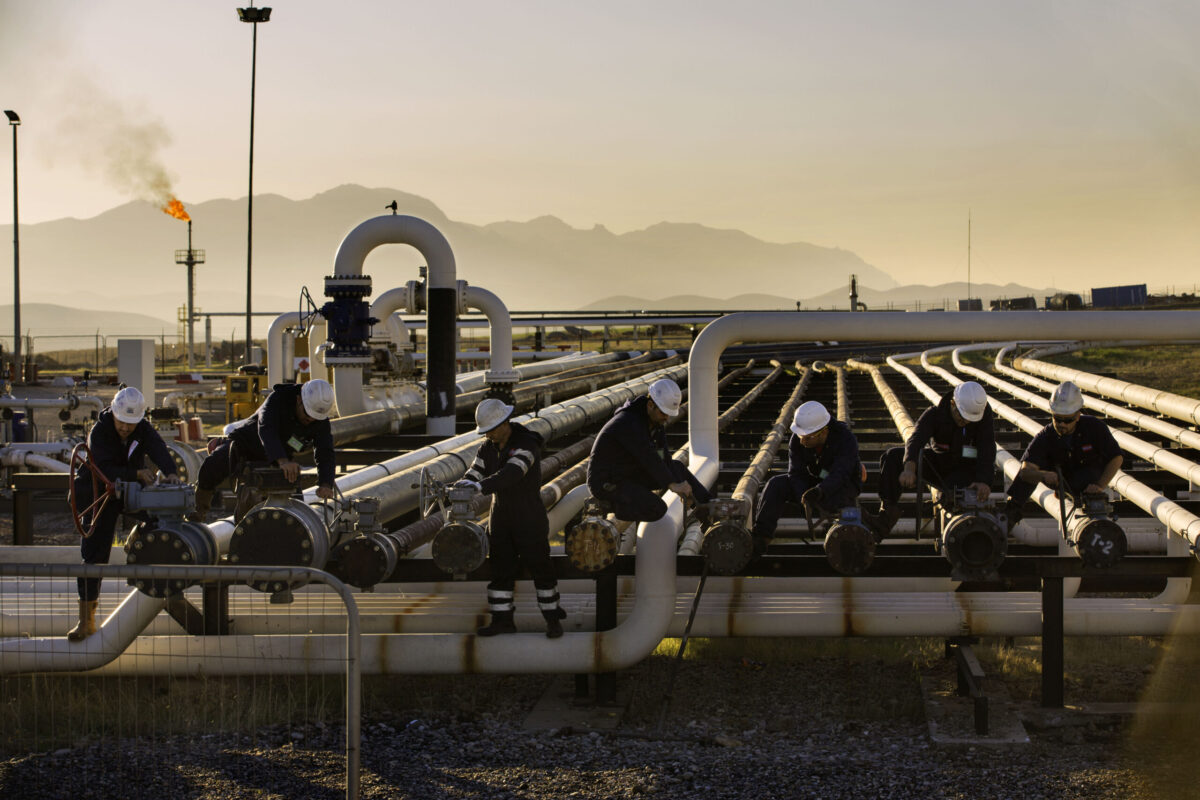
[(295, 417), (1079, 446), (629, 460), (509, 467), (824, 472), (956, 444), (118, 445)]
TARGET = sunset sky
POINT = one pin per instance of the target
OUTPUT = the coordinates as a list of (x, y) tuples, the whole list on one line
[(1069, 131)]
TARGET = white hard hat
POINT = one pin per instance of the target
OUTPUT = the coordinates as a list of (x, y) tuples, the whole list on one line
[(1066, 399), (666, 395), (317, 396), (490, 413), (971, 401), (129, 406), (809, 418)]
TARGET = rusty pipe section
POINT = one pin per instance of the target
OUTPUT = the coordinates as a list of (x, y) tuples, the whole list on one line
[(752, 479), (843, 398), (900, 416)]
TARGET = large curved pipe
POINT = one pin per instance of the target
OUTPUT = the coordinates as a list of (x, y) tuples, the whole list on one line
[(440, 299), (501, 367), (275, 355)]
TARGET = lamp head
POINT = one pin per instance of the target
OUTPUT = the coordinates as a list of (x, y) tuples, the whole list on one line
[(13, 119), (253, 14)]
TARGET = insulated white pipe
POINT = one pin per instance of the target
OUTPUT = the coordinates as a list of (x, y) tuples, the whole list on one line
[(442, 280), (13, 457), (1147, 422), (385, 306), (68, 402), (275, 349), (501, 367), (1172, 405)]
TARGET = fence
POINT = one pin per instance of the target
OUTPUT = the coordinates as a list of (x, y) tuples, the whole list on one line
[(55, 693)]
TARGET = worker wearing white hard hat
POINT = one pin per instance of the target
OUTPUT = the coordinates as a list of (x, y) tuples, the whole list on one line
[(294, 418), (824, 471), (509, 468), (119, 445), (955, 441), (1078, 445), (630, 462)]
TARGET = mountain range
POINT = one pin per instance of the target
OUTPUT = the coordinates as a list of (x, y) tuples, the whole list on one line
[(125, 260)]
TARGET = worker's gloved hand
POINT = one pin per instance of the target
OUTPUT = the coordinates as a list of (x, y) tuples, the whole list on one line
[(325, 492), (468, 484), (172, 479), (812, 497), (291, 471), (146, 475)]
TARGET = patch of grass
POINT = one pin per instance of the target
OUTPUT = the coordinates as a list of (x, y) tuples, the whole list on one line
[(1111, 669)]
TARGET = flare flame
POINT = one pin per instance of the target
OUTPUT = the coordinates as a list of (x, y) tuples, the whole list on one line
[(175, 209)]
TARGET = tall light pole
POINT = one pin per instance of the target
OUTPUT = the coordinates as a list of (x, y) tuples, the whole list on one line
[(253, 16), (14, 121)]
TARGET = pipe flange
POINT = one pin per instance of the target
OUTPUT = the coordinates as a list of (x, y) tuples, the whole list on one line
[(460, 548), (416, 297), (850, 547), (180, 543), (357, 286), (461, 294), (280, 533), (493, 376), (975, 545), (727, 548), (366, 560)]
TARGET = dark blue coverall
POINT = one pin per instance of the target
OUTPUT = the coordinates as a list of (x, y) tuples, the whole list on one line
[(274, 432), (1082, 456), (957, 455), (518, 529), (629, 462), (119, 460), (834, 468)]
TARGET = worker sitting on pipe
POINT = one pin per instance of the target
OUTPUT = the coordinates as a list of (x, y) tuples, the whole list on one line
[(824, 471), (295, 417), (1078, 445), (629, 459), (118, 446), (956, 443), (509, 467)]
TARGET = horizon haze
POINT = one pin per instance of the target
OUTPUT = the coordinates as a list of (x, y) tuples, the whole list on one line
[(1063, 131)]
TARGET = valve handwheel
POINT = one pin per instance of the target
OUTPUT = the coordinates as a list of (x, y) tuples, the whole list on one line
[(103, 490)]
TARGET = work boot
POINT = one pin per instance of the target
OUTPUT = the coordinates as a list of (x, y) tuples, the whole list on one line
[(760, 544), (204, 498), (889, 513), (554, 628), (87, 621), (502, 622)]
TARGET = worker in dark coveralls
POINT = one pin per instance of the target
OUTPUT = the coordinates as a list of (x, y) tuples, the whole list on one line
[(1079, 445), (956, 443), (629, 460), (824, 471), (295, 417), (509, 467), (119, 444)]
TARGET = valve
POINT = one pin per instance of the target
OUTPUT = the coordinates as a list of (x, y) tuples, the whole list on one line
[(167, 538), (591, 545), (461, 546), (1094, 533), (849, 543), (727, 546), (973, 536)]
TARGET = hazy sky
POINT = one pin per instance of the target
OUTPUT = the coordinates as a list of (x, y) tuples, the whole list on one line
[(1069, 130)]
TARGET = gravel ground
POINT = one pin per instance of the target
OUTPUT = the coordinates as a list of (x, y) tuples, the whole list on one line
[(735, 730)]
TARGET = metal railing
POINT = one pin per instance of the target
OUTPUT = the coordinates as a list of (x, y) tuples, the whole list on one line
[(42, 654)]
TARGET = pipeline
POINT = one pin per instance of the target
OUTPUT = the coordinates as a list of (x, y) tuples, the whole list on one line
[(1146, 422), (1172, 405), (1174, 516)]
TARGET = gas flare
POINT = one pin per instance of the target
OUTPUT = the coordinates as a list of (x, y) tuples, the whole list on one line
[(175, 209)]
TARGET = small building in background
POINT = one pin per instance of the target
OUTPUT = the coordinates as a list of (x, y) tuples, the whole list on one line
[(1014, 304), (971, 304), (1119, 296), (1064, 301)]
